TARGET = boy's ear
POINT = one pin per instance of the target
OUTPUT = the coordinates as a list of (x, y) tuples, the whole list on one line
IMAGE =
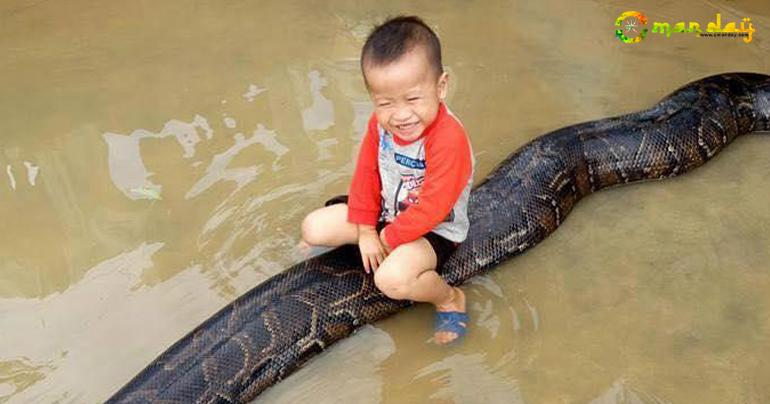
[(443, 85)]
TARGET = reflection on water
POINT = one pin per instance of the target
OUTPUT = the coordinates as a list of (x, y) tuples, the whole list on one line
[(320, 115), (32, 171), (159, 158), (127, 169), (468, 378)]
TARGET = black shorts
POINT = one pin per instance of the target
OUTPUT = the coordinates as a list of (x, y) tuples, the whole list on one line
[(441, 246)]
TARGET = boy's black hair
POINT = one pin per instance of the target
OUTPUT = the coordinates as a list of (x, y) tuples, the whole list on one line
[(398, 35)]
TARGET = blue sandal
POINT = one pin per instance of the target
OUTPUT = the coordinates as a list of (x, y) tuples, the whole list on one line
[(451, 321)]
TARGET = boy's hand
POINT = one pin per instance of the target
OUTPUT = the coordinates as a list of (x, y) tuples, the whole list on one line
[(372, 250)]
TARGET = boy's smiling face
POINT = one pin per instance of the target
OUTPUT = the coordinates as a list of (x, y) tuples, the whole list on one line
[(406, 93)]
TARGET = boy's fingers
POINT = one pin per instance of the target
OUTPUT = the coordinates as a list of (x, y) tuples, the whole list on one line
[(365, 261), (372, 261)]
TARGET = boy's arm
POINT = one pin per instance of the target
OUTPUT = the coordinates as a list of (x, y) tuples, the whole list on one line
[(448, 168), (364, 192)]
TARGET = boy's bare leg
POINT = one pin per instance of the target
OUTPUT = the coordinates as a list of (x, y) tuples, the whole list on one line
[(409, 273), (327, 227)]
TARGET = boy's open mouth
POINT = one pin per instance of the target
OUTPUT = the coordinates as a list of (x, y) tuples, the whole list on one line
[(406, 126)]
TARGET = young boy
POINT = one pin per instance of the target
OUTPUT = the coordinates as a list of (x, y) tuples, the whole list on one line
[(407, 204)]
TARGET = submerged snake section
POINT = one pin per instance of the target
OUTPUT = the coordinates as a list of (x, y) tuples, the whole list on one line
[(270, 331)]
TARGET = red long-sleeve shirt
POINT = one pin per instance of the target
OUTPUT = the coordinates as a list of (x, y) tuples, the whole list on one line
[(448, 166)]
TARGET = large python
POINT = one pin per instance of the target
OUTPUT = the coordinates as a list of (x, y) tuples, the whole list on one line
[(267, 333)]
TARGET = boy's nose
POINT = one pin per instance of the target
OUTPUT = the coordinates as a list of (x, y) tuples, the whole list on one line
[(402, 115)]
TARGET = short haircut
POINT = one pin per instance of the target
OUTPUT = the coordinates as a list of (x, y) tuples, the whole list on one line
[(398, 35)]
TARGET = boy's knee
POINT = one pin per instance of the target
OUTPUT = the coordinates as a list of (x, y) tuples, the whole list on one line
[(393, 283), (311, 230)]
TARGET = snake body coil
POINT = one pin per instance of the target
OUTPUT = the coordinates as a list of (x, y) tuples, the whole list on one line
[(271, 330)]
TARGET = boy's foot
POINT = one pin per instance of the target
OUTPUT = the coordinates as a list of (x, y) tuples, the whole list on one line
[(451, 318)]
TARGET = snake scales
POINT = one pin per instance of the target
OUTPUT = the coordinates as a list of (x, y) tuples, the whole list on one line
[(271, 330)]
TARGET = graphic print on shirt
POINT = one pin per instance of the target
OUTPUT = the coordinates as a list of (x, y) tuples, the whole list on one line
[(408, 192), (385, 143)]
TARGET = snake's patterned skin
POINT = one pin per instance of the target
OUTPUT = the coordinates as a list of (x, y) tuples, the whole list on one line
[(264, 335)]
